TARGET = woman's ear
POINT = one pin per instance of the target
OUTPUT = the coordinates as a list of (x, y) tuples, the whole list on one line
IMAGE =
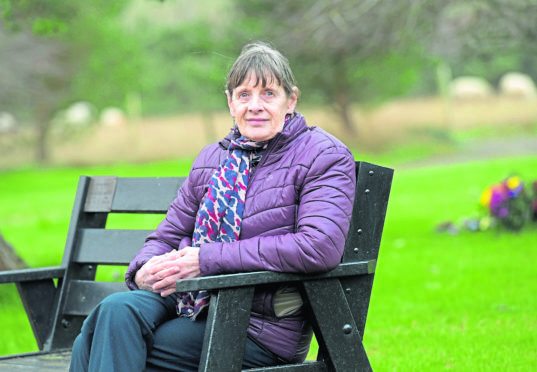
[(293, 98)]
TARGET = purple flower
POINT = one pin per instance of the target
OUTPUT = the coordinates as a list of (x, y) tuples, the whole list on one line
[(496, 199)]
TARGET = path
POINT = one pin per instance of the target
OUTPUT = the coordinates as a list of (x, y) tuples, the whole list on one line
[(483, 149)]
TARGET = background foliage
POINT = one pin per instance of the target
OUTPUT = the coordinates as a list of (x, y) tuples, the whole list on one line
[(173, 56)]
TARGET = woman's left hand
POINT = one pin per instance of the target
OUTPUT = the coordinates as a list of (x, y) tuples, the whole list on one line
[(176, 265)]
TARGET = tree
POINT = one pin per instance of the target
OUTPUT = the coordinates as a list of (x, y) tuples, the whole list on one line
[(9, 260), (186, 66), (347, 51), (344, 51), (33, 81), (487, 37), (48, 44)]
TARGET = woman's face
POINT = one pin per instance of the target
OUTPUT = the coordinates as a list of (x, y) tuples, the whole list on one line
[(260, 111)]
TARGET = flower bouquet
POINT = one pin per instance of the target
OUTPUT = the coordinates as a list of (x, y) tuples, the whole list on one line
[(510, 204)]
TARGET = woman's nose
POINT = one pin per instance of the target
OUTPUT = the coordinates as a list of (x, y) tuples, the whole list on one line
[(255, 103)]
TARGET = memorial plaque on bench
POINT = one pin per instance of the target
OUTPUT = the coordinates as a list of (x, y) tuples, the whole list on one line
[(100, 194)]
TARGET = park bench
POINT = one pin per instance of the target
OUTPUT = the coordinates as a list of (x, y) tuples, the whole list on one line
[(58, 299)]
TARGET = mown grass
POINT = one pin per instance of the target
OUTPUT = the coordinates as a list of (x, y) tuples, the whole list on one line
[(440, 302), (464, 302)]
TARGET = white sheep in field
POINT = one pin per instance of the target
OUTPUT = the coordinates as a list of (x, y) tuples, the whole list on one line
[(470, 87), (517, 85), (80, 114), (113, 116), (8, 123)]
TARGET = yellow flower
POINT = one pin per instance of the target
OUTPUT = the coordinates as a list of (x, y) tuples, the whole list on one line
[(486, 196), (513, 182)]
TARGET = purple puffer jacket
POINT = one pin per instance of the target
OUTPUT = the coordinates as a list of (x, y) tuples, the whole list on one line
[(296, 217)]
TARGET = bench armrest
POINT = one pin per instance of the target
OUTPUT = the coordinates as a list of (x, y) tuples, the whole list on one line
[(26, 275), (268, 277)]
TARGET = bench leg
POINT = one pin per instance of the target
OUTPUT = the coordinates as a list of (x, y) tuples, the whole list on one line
[(358, 290), (38, 298), (339, 335), (227, 326)]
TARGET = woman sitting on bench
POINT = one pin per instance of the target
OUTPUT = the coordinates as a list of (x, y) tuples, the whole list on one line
[(274, 194)]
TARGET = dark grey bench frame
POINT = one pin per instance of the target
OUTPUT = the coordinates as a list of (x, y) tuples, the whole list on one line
[(56, 310)]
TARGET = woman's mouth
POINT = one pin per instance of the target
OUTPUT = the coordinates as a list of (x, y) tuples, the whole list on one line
[(256, 121)]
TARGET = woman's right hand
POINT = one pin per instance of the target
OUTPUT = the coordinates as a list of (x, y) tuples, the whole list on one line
[(146, 276)]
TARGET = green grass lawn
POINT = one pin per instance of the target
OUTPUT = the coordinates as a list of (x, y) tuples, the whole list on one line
[(464, 302), (440, 302)]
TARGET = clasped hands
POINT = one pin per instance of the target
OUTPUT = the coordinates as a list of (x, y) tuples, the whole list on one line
[(160, 273)]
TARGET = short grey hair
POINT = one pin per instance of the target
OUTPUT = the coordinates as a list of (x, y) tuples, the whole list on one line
[(266, 63)]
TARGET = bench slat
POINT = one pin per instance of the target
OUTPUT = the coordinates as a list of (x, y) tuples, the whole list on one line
[(131, 195), (145, 195), (42, 362), (59, 361), (109, 246), (304, 367), (86, 294)]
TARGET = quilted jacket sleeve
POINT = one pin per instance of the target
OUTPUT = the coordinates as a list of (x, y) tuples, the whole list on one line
[(322, 222)]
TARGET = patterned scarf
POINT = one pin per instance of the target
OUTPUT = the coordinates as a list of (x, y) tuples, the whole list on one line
[(220, 215)]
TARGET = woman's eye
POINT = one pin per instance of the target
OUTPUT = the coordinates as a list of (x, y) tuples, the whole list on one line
[(269, 93), (243, 95)]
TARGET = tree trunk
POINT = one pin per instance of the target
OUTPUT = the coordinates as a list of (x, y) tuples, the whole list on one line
[(342, 97), (343, 108), (43, 123), (9, 260)]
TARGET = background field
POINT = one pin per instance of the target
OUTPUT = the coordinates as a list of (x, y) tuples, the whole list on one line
[(398, 131)]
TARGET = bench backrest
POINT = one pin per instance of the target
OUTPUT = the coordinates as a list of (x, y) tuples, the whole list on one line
[(90, 244)]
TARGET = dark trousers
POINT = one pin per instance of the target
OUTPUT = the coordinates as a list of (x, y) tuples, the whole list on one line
[(140, 331)]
